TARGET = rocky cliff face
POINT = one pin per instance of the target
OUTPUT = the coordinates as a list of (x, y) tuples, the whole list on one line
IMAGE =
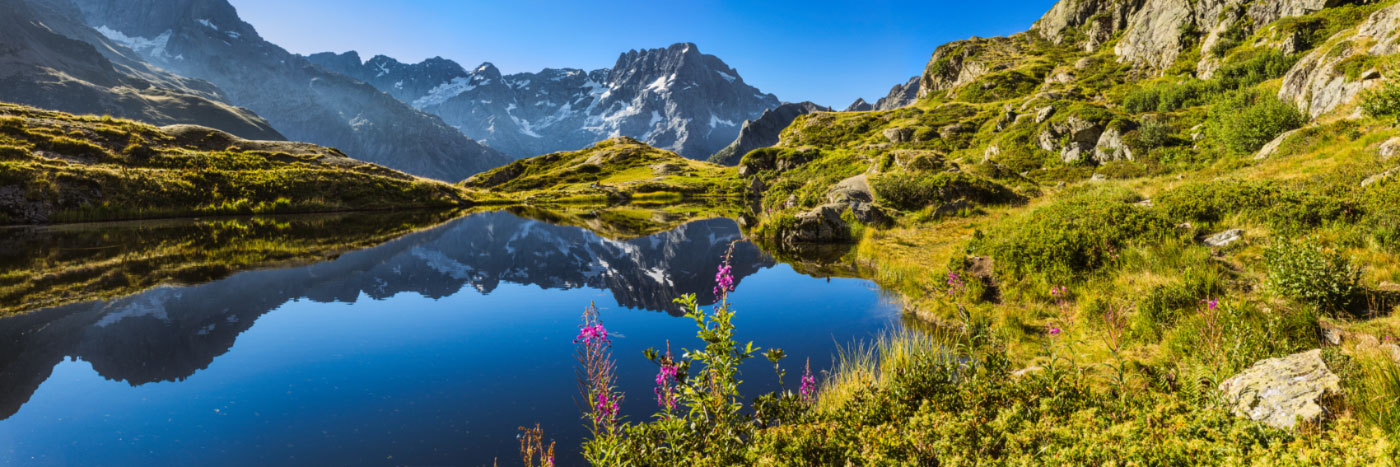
[(764, 131), (674, 98), (1316, 84), (49, 58), (206, 39)]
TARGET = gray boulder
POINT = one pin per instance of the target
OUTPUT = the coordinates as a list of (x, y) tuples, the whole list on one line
[(1282, 391), (822, 224), (1111, 147), (899, 135), (1390, 148), (1224, 238)]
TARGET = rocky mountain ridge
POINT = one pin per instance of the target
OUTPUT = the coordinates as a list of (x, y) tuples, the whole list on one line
[(675, 98), (49, 58), (206, 39)]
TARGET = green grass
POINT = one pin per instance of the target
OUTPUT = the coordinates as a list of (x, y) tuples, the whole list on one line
[(72, 168)]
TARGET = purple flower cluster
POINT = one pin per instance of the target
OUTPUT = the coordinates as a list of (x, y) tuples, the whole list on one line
[(1054, 331), (665, 387), (606, 408), (1212, 304), (808, 391), (592, 334), (955, 284), (1059, 292), (724, 280)]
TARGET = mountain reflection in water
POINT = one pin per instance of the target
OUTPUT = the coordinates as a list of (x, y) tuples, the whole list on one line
[(171, 333)]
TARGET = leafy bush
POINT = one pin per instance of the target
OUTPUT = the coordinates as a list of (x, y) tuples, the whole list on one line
[(915, 191), (1245, 121), (1078, 234), (1305, 271), (1384, 102), (1211, 201)]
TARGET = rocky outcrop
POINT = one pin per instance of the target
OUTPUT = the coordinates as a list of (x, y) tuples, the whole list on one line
[(1316, 85), (822, 224), (1098, 20), (764, 131), (1282, 391), (957, 63), (1080, 138), (855, 193), (1111, 147), (674, 98), (899, 135)]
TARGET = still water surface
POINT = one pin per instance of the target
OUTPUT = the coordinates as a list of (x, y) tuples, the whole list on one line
[(431, 348)]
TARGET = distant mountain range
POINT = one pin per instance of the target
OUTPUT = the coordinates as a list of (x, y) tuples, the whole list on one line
[(197, 61), (675, 98), (206, 39)]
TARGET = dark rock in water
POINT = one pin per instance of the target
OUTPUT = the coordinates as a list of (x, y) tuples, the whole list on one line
[(764, 131), (822, 224), (674, 98)]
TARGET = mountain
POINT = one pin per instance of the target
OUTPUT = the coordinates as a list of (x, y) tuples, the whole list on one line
[(764, 131), (901, 95), (674, 98), (206, 39), (49, 58)]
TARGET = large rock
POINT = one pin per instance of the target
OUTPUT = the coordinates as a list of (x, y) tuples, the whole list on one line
[(1225, 238), (1314, 83), (822, 224), (1111, 147), (855, 192), (1281, 391), (1272, 146), (899, 135), (1390, 148), (1079, 137)]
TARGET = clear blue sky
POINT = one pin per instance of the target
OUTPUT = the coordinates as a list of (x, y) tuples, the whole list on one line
[(829, 52)]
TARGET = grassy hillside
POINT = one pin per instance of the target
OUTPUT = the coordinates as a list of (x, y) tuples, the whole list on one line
[(56, 167), (616, 170), (1051, 200)]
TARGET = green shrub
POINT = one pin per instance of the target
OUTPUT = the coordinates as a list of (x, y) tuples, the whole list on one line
[(1245, 121), (1211, 201), (915, 191), (1306, 272), (1075, 235), (1384, 102)]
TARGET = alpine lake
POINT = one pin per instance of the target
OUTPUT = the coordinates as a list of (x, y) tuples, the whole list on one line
[(405, 338)]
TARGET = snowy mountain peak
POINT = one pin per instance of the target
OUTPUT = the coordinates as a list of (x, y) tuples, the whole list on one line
[(675, 98)]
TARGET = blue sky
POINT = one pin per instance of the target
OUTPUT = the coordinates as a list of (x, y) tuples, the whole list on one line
[(829, 52)]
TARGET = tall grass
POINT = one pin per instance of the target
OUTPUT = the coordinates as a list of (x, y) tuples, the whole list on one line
[(868, 364)]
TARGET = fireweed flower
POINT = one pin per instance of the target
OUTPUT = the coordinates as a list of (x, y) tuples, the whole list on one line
[(592, 334), (955, 284), (606, 408), (809, 384), (724, 279), (665, 387), (1054, 331)]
